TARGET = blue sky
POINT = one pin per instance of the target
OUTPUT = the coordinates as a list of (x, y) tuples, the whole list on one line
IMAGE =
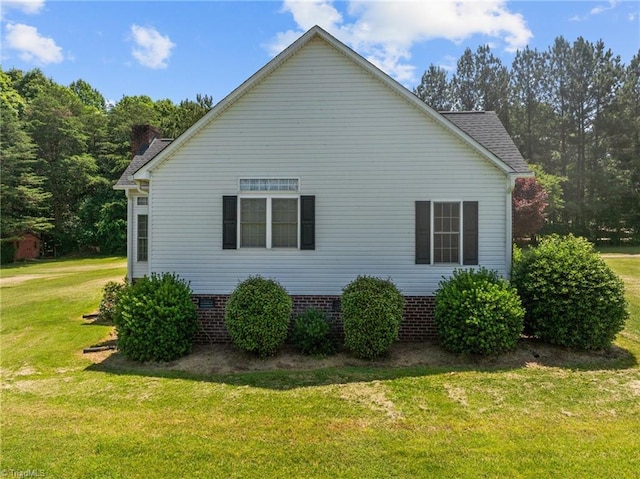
[(175, 50)]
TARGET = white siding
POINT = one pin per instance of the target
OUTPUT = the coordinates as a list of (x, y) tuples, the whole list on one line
[(364, 152)]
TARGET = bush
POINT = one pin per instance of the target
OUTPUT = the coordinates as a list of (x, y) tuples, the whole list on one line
[(7, 252), (572, 298), (110, 296), (257, 315), (156, 319), (371, 316), (478, 312), (311, 333)]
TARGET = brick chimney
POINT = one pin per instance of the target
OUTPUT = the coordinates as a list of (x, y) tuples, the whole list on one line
[(141, 138)]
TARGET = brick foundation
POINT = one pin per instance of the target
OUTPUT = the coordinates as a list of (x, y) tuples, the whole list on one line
[(418, 323)]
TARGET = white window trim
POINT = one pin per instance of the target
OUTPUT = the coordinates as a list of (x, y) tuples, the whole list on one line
[(138, 210), (433, 232), (269, 233)]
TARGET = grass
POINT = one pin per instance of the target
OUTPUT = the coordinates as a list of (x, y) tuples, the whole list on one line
[(65, 417)]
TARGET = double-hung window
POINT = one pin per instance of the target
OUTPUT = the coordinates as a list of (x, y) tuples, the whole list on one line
[(143, 237), (268, 213), (447, 232)]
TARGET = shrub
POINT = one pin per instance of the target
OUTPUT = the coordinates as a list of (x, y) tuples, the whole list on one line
[(572, 298), (257, 315), (110, 296), (476, 311), (7, 252), (156, 319), (371, 316), (311, 333)]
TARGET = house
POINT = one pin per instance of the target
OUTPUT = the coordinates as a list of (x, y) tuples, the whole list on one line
[(319, 168)]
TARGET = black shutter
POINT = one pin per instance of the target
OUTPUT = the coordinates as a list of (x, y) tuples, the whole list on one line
[(423, 232), (307, 222), (229, 222), (470, 232)]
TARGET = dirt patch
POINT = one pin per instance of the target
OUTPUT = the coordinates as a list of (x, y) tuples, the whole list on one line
[(227, 359), (372, 395), (13, 280)]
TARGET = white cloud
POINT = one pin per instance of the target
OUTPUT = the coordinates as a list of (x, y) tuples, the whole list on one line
[(597, 10), (151, 48), (31, 45), (603, 8), (26, 6), (385, 31)]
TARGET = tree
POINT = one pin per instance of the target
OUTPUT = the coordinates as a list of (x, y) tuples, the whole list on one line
[(529, 201), (24, 201), (481, 82), (529, 111), (88, 95), (55, 122), (435, 89), (552, 185), (11, 99)]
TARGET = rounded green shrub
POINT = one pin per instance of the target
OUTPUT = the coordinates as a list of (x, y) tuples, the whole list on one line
[(571, 296), (311, 333), (371, 315), (110, 297), (476, 311), (156, 319), (257, 315)]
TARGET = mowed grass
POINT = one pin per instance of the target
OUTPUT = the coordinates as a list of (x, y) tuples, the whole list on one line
[(65, 417)]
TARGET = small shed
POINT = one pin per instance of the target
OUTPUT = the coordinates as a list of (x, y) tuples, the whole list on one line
[(27, 247)]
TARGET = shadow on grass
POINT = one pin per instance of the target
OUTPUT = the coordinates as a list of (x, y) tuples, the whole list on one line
[(287, 370)]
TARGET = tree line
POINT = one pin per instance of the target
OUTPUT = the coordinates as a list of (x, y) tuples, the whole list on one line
[(573, 111), (62, 148)]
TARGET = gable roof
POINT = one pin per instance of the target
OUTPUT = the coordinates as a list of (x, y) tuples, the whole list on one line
[(495, 139), (156, 146)]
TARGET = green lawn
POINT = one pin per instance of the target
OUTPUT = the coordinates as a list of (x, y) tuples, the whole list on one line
[(63, 417)]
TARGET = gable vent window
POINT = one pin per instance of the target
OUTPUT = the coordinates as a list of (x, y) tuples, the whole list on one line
[(268, 184)]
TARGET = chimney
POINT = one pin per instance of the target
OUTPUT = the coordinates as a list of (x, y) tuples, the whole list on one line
[(141, 138)]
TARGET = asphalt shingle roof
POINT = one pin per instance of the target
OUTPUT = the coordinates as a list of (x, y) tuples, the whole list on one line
[(156, 146), (486, 128)]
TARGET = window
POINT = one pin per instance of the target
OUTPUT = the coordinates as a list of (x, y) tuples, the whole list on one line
[(143, 200), (446, 232), (284, 222), (143, 228), (270, 222), (268, 184), (253, 222)]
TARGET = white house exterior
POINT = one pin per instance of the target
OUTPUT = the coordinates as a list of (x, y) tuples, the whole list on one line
[(317, 169)]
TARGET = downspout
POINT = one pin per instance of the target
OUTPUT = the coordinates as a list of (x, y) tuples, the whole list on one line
[(130, 238), (149, 227), (511, 184)]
